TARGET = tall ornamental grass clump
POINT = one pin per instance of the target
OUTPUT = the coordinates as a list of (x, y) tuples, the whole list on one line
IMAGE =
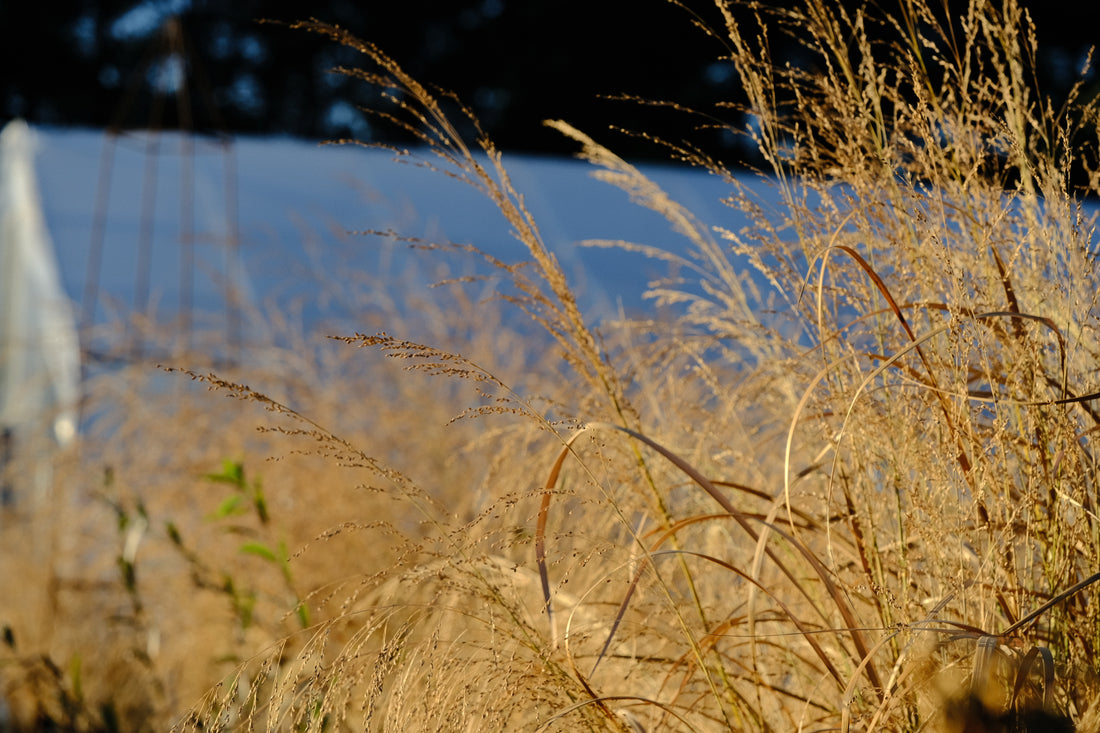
[(861, 498)]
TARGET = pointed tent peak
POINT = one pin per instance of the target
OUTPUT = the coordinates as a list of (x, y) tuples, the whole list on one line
[(39, 348), (16, 156), (16, 134)]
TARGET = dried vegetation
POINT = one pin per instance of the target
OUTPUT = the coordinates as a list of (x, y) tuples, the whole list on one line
[(852, 488)]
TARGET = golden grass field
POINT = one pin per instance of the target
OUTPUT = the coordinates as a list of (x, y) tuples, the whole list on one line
[(864, 499)]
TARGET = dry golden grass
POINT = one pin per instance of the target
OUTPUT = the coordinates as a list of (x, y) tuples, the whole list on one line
[(863, 500)]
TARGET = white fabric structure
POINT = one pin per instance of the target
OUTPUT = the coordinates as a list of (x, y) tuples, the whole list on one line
[(39, 348)]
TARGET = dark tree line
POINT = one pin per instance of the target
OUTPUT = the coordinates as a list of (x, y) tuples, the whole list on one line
[(514, 62)]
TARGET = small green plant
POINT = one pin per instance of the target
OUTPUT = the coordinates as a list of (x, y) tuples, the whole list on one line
[(232, 474), (233, 515)]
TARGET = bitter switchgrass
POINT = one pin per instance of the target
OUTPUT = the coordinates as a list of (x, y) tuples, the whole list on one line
[(816, 506), (860, 498)]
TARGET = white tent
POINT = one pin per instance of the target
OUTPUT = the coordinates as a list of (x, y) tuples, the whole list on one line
[(39, 350)]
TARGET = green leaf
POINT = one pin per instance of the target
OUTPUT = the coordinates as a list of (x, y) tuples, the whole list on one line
[(302, 610), (129, 574), (122, 517), (230, 506), (284, 563), (232, 473), (260, 502), (75, 677), (260, 549)]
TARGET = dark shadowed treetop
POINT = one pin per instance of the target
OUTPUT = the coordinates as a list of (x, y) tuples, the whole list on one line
[(513, 62)]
